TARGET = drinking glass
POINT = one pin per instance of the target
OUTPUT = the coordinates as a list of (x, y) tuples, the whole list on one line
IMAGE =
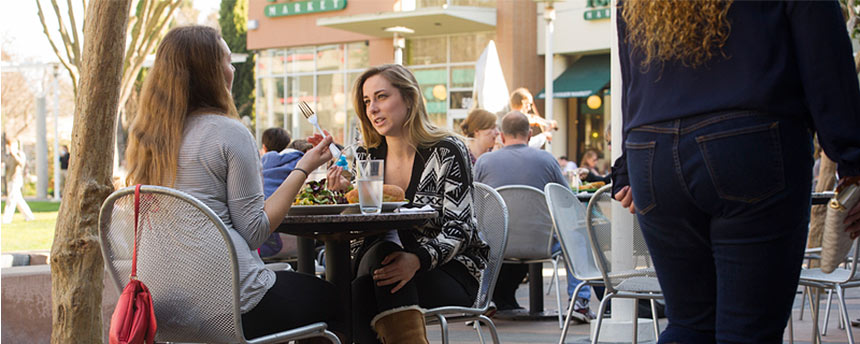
[(369, 174)]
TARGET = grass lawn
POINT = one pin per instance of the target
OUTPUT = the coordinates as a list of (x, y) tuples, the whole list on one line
[(23, 235)]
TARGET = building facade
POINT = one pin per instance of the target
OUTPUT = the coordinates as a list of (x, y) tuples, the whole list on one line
[(313, 50)]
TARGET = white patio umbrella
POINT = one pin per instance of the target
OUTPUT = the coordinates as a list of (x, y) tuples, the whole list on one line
[(490, 91)]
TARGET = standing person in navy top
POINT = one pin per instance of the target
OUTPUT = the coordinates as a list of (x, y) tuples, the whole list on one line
[(720, 102)]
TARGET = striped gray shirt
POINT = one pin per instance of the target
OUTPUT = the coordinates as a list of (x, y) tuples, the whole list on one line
[(219, 165)]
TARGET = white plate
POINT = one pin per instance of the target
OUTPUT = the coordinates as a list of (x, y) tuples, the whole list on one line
[(387, 207), (321, 209)]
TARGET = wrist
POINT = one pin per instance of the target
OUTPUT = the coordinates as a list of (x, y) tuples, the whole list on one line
[(301, 171)]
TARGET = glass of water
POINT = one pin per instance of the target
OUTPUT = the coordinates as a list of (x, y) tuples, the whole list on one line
[(369, 174)]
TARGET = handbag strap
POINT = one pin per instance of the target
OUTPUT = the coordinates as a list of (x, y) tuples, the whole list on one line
[(136, 212)]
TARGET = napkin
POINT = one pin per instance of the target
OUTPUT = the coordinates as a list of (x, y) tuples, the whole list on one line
[(415, 210)]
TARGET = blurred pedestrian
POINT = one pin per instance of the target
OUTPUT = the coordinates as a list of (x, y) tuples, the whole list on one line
[(64, 167), (16, 161), (522, 101)]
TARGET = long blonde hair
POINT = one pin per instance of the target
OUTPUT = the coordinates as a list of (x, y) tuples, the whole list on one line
[(687, 31), (187, 76), (420, 131)]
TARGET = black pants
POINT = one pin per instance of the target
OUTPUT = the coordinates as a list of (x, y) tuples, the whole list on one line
[(295, 300), (510, 278), (447, 285)]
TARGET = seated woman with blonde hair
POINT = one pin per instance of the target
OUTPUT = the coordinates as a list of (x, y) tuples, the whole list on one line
[(187, 135), (438, 264)]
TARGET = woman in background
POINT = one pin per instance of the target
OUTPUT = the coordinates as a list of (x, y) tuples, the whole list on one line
[(188, 136), (481, 129)]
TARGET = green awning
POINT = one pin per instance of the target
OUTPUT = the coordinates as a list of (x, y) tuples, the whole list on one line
[(585, 77)]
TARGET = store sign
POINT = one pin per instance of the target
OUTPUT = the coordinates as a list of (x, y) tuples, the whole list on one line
[(597, 9), (304, 7)]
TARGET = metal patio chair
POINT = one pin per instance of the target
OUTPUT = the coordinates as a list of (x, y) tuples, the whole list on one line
[(492, 216), (188, 261), (530, 234), (568, 216), (638, 283)]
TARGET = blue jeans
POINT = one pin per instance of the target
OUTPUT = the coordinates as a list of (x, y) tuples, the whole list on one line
[(723, 201), (572, 282)]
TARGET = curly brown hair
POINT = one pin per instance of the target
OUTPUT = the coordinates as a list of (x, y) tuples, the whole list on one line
[(677, 30)]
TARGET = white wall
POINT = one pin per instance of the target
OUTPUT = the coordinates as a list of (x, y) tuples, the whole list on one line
[(573, 34)]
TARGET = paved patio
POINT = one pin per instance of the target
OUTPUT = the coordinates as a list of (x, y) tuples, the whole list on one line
[(547, 331)]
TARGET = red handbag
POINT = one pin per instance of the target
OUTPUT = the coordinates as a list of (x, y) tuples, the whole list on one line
[(133, 319)]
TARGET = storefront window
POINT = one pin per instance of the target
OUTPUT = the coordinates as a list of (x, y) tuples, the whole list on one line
[(445, 69), (426, 51), (468, 48), (322, 76)]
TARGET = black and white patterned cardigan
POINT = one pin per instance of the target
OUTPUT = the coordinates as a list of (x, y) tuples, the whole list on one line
[(441, 178)]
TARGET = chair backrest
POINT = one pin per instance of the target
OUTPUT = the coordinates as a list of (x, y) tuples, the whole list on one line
[(599, 224), (529, 225), (492, 216), (185, 257), (568, 215)]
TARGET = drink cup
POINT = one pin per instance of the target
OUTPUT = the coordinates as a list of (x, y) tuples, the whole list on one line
[(370, 177)]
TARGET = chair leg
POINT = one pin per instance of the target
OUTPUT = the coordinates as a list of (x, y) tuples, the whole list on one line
[(802, 303), (827, 313), (554, 262), (813, 308), (443, 323), (558, 293), (489, 322), (654, 317), (331, 337), (844, 310), (635, 338), (569, 313), (477, 326), (606, 298), (790, 328)]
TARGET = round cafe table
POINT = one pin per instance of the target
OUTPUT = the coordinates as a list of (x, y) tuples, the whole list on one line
[(336, 230)]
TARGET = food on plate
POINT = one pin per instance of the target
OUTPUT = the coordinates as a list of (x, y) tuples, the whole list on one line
[(314, 193), (593, 185), (390, 193)]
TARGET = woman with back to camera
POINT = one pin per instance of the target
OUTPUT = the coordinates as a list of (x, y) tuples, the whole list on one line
[(188, 136), (481, 129), (720, 100), (438, 264)]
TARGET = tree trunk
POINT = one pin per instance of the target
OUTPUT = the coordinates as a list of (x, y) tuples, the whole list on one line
[(826, 180), (77, 268)]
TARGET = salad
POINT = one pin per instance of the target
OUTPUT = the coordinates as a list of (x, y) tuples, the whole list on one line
[(314, 193)]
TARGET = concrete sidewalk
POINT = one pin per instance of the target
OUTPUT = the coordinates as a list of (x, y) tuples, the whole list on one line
[(547, 331)]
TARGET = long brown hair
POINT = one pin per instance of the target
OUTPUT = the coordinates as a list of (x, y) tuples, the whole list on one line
[(687, 31), (420, 132), (187, 76)]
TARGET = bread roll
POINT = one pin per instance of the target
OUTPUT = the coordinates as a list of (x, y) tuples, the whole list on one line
[(390, 193)]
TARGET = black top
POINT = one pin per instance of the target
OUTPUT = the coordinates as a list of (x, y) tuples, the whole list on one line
[(441, 178), (790, 59)]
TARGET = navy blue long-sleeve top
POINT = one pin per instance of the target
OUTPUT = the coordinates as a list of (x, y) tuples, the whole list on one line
[(789, 59)]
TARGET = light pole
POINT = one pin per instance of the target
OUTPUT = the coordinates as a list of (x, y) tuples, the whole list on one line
[(549, 16), (399, 41)]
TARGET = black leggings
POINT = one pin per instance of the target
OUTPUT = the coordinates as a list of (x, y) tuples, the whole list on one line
[(295, 300), (447, 285)]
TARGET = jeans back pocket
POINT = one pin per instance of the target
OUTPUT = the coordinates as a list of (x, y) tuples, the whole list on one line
[(745, 164), (640, 166)]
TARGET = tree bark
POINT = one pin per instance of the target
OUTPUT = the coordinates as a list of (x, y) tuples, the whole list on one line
[(826, 181), (77, 268)]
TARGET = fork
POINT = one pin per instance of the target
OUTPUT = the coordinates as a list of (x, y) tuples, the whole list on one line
[(312, 117)]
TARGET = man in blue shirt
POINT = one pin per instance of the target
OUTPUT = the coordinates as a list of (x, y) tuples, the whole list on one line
[(534, 168)]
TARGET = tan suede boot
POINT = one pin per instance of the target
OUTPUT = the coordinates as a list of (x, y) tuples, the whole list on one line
[(404, 325)]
